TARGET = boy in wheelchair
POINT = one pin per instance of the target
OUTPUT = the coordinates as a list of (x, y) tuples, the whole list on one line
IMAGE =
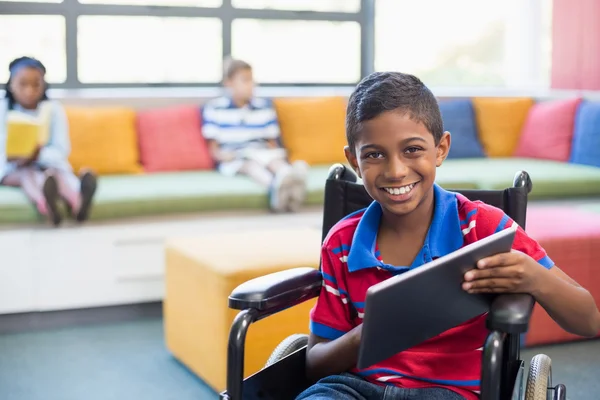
[(395, 143)]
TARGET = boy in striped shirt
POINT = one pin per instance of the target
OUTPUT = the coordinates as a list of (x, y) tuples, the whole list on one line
[(395, 143), (244, 138)]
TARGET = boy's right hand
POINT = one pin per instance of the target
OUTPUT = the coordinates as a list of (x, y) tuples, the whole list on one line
[(225, 156)]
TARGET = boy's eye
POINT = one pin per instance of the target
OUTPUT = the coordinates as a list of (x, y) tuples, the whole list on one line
[(375, 154), (411, 150)]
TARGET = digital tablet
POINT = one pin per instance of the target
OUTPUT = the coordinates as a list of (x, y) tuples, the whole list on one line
[(421, 303)]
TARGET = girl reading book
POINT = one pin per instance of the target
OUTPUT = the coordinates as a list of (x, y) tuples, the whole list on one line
[(35, 145)]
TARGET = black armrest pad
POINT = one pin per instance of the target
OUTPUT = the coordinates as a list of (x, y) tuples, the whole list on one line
[(274, 292), (510, 313)]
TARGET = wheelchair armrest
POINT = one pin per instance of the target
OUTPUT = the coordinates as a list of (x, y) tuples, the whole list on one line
[(274, 292), (510, 313)]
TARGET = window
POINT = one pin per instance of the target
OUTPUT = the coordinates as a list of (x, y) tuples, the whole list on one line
[(462, 42), (349, 6), (39, 36), (124, 49), (299, 51), (170, 3)]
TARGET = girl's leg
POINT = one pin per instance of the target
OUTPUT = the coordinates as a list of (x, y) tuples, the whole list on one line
[(77, 192), (39, 189)]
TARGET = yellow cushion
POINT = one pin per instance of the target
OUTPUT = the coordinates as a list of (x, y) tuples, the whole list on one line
[(103, 139), (499, 121), (200, 274), (313, 129)]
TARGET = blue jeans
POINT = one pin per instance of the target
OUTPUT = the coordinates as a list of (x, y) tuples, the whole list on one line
[(348, 386)]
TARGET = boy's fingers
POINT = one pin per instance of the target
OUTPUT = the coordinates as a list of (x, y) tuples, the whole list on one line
[(491, 285), (501, 259), (498, 272)]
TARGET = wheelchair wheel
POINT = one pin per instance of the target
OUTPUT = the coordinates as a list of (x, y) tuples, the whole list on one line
[(287, 347), (539, 380)]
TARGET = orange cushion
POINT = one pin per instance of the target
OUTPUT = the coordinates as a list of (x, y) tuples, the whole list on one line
[(499, 122), (313, 129), (171, 140), (103, 139)]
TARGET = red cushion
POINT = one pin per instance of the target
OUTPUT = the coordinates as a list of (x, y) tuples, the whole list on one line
[(548, 130), (170, 139)]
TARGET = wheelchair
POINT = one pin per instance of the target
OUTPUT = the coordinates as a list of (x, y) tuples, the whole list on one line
[(284, 377)]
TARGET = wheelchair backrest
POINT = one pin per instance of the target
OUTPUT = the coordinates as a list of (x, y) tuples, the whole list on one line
[(343, 196)]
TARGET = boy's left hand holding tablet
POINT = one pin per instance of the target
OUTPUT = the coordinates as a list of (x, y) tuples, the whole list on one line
[(513, 272)]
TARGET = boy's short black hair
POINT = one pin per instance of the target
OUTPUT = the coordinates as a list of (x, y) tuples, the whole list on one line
[(392, 91), (231, 66)]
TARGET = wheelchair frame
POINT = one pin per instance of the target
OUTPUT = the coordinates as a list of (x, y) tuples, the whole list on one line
[(508, 318)]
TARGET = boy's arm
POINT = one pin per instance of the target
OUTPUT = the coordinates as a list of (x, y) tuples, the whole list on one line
[(330, 357), (528, 269), (334, 339)]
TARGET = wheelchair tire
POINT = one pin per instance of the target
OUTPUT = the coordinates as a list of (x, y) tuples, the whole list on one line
[(539, 380), (287, 347)]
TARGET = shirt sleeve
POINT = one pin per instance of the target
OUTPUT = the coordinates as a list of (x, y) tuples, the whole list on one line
[(56, 152), (330, 318), (491, 220), (210, 128)]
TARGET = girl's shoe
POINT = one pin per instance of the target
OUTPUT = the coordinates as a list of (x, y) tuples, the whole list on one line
[(52, 196), (89, 183)]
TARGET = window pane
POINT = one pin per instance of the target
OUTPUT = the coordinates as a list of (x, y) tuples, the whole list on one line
[(462, 43), (350, 6), (173, 3), (39, 36), (299, 51), (149, 49)]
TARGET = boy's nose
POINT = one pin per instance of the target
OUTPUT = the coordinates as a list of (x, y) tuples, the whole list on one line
[(396, 169)]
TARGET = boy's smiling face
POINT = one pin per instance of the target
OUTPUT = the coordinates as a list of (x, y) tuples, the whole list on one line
[(397, 158)]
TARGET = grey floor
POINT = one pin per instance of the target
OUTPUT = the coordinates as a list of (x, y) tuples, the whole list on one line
[(128, 360)]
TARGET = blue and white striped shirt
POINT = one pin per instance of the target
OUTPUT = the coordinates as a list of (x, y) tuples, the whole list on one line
[(235, 128)]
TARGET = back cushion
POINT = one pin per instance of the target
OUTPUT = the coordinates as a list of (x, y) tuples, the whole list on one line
[(548, 130), (103, 139), (586, 138), (313, 129), (459, 120), (500, 122), (171, 140)]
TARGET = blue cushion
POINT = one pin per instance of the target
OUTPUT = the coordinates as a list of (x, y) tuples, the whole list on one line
[(586, 136), (459, 120)]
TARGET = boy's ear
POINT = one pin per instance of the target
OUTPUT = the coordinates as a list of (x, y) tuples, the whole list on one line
[(352, 160), (442, 149)]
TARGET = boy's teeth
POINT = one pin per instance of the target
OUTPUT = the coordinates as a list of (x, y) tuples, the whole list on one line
[(400, 190)]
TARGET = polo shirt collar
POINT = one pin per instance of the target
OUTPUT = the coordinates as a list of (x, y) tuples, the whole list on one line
[(443, 237)]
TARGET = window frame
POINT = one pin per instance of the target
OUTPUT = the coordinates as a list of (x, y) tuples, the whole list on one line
[(72, 9)]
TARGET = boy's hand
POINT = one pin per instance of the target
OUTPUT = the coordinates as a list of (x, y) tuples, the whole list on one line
[(224, 156), (513, 272)]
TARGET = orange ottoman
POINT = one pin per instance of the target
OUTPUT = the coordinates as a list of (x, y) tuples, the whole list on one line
[(202, 271), (571, 238)]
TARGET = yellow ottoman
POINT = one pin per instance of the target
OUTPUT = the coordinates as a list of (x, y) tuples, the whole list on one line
[(200, 274)]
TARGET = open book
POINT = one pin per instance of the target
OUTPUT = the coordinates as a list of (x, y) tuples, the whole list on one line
[(26, 132)]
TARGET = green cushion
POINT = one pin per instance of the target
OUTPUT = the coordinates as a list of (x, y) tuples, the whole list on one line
[(122, 196), (551, 179)]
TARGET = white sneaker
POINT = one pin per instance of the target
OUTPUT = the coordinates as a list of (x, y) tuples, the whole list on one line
[(280, 191), (298, 190)]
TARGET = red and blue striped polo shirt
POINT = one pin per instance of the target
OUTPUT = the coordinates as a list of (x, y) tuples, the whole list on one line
[(351, 263)]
